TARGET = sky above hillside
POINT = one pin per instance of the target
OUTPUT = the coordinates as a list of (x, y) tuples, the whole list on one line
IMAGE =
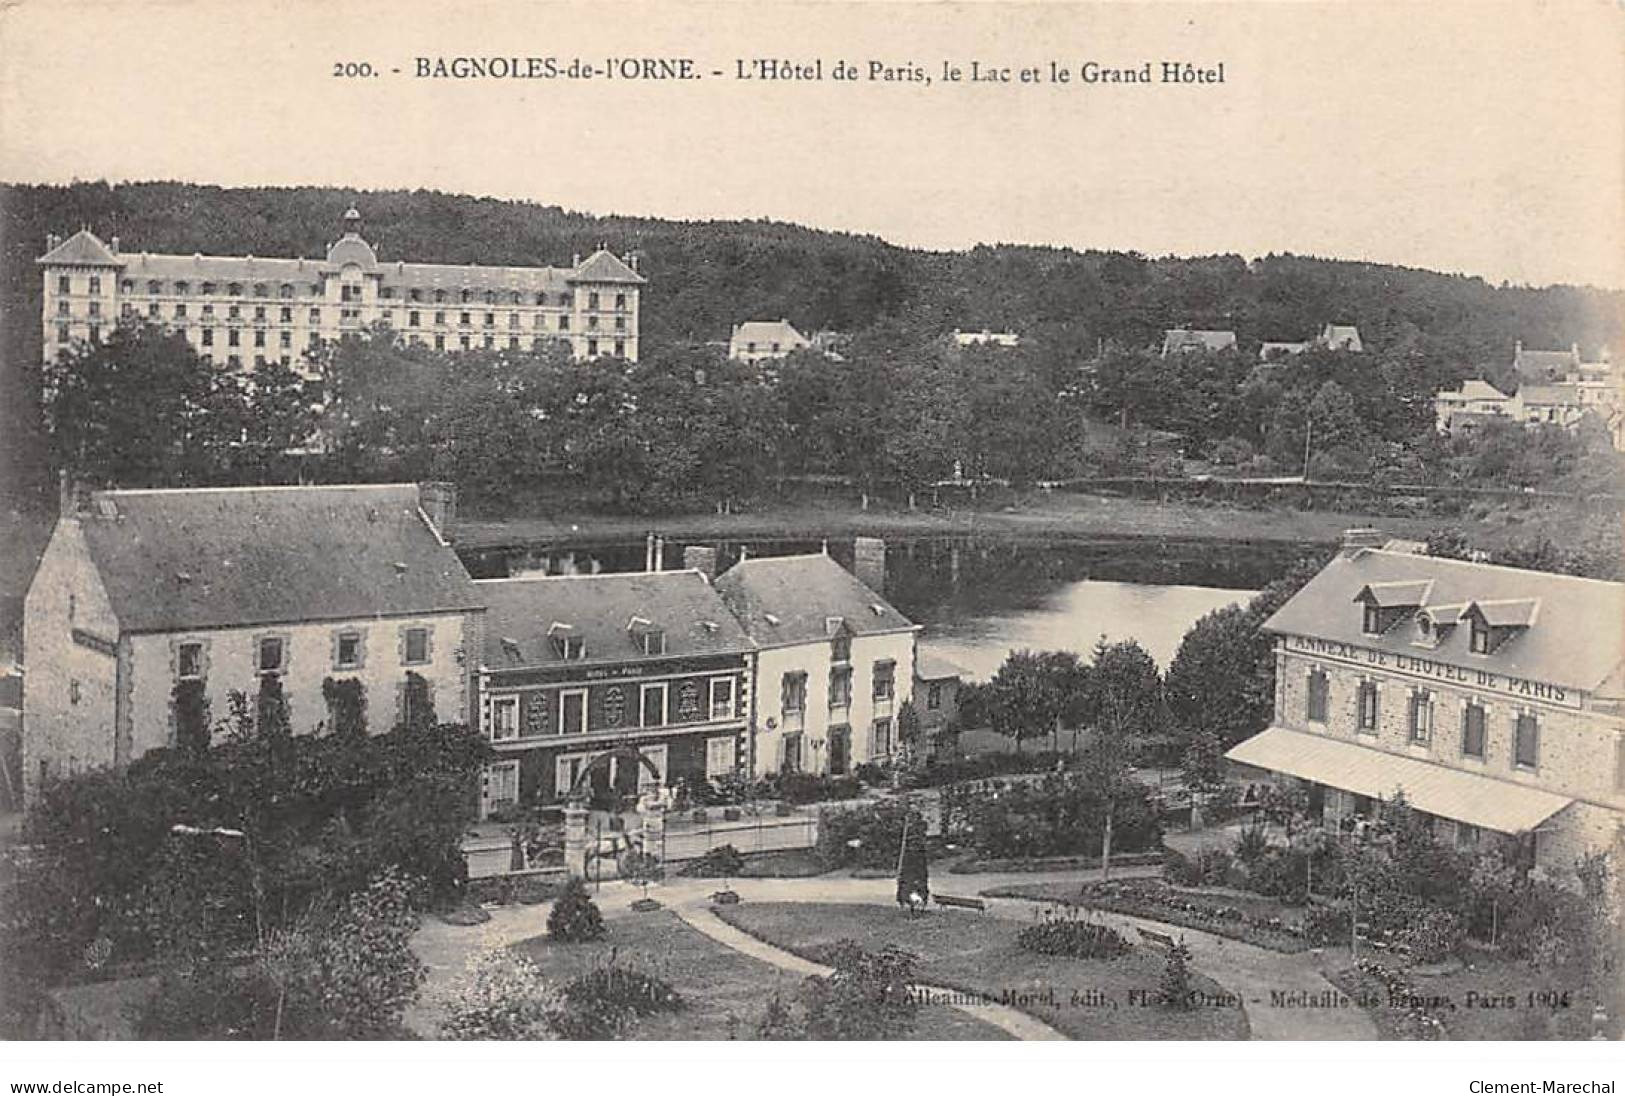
[(1483, 138)]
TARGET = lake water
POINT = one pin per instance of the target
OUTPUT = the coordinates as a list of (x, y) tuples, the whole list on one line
[(980, 598)]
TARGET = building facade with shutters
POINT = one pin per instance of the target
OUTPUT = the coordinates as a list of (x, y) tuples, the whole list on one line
[(834, 663), (593, 685), (151, 607), (240, 312), (1493, 698)]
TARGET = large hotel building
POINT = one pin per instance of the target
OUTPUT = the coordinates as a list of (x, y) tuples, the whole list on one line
[(244, 311), (1493, 698)]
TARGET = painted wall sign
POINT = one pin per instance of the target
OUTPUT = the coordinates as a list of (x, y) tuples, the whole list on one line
[(1468, 677)]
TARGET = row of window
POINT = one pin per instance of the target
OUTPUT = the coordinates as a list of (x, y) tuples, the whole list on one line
[(271, 653), (1420, 720), (287, 291), (793, 747), (654, 709), (793, 687), (414, 318)]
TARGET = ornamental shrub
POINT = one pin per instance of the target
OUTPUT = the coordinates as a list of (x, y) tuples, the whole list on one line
[(1174, 990), (1058, 815), (575, 918), (914, 873), (1433, 937), (1072, 936), (867, 836), (722, 862), (868, 994), (602, 1003), (501, 995)]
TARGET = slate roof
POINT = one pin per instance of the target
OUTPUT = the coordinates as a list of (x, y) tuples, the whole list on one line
[(1550, 395), (521, 614), (764, 333), (191, 559), (1475, 390), (603, 266), (784, 600), (1339, 336), (1274, 349), (1180, 339), (931, 667), (83, 248), (1545, 363), (1576, 637)]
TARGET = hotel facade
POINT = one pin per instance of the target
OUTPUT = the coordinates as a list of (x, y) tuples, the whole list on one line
[(1492, 698), (240, 312)]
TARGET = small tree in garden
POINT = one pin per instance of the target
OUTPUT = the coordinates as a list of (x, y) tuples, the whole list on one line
[(271, 708), (913, 872), (501, 995), (909, 731), (575, 918), (1174, 990), (347, 703), (1494, 882), (191, 717), (641, 868)]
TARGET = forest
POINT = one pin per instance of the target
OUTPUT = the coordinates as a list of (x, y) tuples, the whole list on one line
[(1087, 318)]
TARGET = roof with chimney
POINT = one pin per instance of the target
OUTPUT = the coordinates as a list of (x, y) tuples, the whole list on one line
[(603, 266), (793, 599), (1569, 631), (1545, 364), (609, 613), (196, 558), (83, 248), (766, 336), (1180, 340)]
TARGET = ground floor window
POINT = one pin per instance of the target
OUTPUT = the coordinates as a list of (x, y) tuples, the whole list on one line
[(719, 757), (792, 753), (1368, 707), (499, 787), (1421, 718), (881, 738)]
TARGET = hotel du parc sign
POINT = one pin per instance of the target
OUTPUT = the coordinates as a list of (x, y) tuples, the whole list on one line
[(1368, 658)]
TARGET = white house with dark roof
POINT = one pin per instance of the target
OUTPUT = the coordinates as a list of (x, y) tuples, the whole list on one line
[(834, 662), (1492, 697), (610, 683), (761, 340), (243, 311), (1470, 404), (145, 597)]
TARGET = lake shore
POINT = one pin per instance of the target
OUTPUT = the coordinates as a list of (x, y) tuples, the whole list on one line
[(1036, 517)]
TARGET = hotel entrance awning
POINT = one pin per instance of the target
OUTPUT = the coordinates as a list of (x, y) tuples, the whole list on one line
[(1449, 793)]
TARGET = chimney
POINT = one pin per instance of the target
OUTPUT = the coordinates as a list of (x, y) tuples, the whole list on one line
[(114, 244), (1356, 541), (702, 559), (648, 552), (438, 500), (575, 260), (869, 562)]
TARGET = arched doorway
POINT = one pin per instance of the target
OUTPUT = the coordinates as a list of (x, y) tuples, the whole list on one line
[(615, 771)]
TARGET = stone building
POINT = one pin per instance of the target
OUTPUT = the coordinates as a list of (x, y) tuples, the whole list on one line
[(152, 604), (1492, 697), (610, 683), (243, 311), (834, 663)]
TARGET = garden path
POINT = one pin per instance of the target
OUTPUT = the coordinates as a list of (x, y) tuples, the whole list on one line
[(1013, 1021), (1251, 972)]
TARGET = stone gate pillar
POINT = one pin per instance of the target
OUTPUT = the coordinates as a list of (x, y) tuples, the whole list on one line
[(654, 826), (575, 839)]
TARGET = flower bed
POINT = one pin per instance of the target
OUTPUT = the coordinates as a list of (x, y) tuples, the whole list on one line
[(1155, 901), (970, 865), (1399, 1010)]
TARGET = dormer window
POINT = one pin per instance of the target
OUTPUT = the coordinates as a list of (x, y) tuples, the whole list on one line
[(1385, 604), (652, 641), (566, 643), (1493, 623), (1480, 642)]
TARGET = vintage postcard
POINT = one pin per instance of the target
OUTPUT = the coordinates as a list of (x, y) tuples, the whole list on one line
[(811, 521)]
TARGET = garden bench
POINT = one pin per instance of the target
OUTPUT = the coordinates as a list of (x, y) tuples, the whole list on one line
[(961, 903), (1157, 939)]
